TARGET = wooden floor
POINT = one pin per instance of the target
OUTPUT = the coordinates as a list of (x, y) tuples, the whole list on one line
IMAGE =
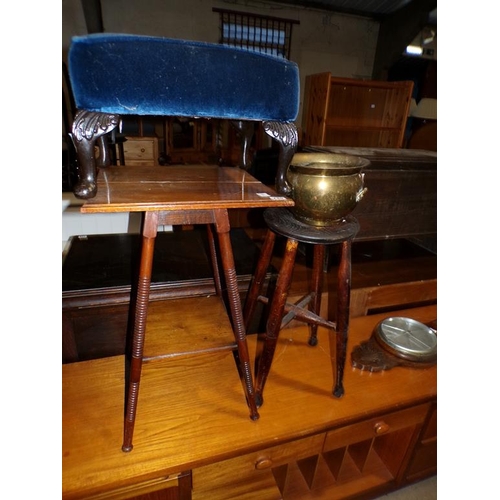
[(191, 408)]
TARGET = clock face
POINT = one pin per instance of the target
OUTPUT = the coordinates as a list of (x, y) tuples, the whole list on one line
[(408, 337)]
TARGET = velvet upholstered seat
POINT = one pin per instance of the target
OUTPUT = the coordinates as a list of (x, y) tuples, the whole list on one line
[(120, 74)]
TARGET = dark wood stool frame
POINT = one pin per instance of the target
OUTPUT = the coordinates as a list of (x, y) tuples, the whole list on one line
[(281, 222)]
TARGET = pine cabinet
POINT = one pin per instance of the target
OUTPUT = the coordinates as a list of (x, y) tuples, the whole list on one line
[(355, 113)]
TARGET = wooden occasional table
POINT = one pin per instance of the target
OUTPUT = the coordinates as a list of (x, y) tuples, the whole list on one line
[(194, 194)]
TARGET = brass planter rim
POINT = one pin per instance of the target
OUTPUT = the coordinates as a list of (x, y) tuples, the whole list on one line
[(334, 160)]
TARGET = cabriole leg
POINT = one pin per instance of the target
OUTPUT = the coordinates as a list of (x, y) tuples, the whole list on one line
[(88, 126), (288, 138)]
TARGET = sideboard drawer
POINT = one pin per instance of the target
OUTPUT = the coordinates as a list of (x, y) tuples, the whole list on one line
[(173, 487), (242, 474), (375, 427)]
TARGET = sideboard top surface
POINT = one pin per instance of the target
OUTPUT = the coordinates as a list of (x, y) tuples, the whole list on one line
[(191, 412)]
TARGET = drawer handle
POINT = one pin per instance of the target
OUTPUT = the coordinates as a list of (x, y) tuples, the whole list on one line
[(381, 428), (263, 463), (143, 150)]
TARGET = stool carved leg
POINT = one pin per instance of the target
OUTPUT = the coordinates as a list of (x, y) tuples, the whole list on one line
[(141, 309), (343, 303), (88, 127), (285, 133), (245, 130)]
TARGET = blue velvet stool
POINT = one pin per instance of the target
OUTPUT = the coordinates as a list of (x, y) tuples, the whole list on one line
[(117, 74)]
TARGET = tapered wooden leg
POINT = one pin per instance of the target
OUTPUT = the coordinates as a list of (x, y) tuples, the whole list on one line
[(222, 226), (258, 278), (275, 315), (316, 289), (141, 310), (213, 258), (343, 303)]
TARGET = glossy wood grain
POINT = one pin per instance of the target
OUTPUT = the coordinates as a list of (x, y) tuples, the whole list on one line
[(203, 419), (129, 189)]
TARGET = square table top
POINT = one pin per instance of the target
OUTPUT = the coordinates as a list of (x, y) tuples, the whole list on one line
[(186, 187)]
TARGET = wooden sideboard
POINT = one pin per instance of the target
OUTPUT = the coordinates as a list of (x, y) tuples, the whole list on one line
[(194, 438)]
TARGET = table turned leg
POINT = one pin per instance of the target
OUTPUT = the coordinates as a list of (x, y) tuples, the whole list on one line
[(316, 289), (141, 309), (275, 316), (222, 226), (213, 259), (343, 303)]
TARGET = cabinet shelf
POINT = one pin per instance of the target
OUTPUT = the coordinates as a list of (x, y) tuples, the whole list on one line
[(360, 128), (354, 113)]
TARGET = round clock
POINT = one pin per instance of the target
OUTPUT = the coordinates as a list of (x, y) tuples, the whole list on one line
[(397, 341), (408, 339)]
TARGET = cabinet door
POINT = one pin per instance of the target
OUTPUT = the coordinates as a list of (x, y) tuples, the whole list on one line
[(191, 140), (347, 112), (424, 460)]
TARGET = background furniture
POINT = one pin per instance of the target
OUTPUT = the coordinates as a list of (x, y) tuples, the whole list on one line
[(401, 196), (379, 437), (177, 139), (356, 113), (98, 272), (140, 151)]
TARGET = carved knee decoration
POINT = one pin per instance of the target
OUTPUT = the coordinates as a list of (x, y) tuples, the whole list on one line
[(89, 126)]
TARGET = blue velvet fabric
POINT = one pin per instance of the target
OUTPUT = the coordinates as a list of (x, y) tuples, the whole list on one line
[(143, 75)]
